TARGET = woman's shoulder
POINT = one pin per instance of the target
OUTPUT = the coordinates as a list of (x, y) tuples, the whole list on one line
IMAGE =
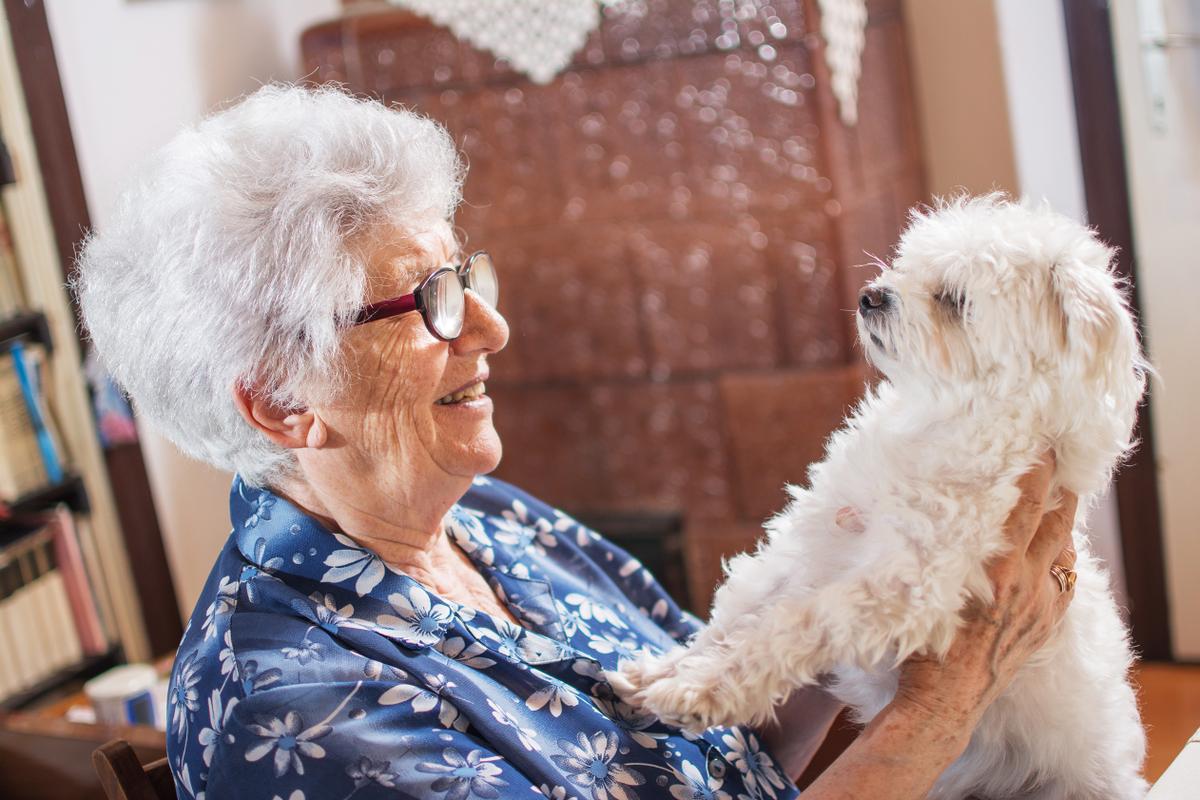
[(218, 598), (256, 642), (254, 628)]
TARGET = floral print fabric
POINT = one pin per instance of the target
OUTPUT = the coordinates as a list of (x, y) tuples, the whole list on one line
[(312, 670)]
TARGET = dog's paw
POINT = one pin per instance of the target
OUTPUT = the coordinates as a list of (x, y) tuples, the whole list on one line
[(660, 685), (632, 677)]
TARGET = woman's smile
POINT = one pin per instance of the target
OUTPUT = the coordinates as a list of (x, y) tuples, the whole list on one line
[(478, 404), (467, 393)]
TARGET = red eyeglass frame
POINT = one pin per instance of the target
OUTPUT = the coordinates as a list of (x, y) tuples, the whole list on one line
[(413, 301)]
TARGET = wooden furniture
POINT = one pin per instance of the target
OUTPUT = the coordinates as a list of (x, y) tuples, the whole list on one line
[(678, 218), (125, 778), (43, 758)]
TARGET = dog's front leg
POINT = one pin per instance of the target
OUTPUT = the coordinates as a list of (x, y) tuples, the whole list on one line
[(762, 642), (704, 684), (772, 630)]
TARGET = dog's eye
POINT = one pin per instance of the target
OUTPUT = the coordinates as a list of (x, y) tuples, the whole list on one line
[(950, 301)]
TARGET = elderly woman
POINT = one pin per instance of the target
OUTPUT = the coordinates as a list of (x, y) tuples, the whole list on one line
[(281, 293)]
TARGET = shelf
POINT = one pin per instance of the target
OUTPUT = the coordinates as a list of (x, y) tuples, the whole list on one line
[(86, 669), (32, 324), (69, 490)]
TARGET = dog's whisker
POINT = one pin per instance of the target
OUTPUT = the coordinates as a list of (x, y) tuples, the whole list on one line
[(875, 261)]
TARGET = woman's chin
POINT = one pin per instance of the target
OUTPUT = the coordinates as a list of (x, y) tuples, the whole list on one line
[(478, 457), (489, 458), (465, 442)]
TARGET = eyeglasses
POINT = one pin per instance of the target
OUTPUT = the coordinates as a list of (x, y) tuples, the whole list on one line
[(441, 297)]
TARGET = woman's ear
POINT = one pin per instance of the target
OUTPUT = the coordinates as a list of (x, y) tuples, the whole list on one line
[(287, 427)]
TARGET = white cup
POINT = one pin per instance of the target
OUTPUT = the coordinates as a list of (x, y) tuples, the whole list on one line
[(124, 694)]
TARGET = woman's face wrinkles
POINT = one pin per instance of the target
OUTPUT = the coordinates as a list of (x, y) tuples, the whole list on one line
[(389, 415)]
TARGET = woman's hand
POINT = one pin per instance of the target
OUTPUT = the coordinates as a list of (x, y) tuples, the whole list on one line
[(927, 726), (996, 640)]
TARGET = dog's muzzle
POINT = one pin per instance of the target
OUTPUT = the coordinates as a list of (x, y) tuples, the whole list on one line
[(873, 302)]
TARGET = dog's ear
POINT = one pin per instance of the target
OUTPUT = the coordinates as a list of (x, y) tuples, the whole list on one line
[(1096, 328)]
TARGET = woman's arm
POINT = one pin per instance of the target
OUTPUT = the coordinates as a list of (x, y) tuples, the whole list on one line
[(898, 755)]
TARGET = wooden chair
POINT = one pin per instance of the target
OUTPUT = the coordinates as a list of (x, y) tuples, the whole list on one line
[(125, 778)]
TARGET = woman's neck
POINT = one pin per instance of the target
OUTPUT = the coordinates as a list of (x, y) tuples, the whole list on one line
[(407, 534)]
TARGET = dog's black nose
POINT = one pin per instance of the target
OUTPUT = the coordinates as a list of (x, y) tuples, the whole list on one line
[(873, 299)]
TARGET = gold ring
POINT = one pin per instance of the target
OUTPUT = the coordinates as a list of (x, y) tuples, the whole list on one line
[(1065, 577)]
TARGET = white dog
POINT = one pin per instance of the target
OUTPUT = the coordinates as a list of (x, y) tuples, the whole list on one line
[(1002, 331)]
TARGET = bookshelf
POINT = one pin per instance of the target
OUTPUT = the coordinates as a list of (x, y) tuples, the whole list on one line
[(30, 324), (70, 490), (48, 321), (77, 673)]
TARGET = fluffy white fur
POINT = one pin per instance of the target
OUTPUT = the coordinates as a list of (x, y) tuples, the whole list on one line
[(226, 258), (1007, 333)]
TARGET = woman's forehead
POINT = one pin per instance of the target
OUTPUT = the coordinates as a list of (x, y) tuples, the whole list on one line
[(407, 256)]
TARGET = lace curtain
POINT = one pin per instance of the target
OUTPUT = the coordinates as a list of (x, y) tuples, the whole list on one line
[(844, 25), (540, 37)]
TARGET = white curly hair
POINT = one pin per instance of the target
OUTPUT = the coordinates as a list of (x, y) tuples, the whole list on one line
[(227, 259)]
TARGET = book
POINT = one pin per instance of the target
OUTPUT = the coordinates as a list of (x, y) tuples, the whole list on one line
[(92, 563), (81, 597), (61, 633), (21, 467), (41, 641), (27, 366), (39, 634), (19, 626), (12, 675), (11, 295)]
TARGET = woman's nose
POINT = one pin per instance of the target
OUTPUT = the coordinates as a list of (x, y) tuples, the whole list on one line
[(484, 329)]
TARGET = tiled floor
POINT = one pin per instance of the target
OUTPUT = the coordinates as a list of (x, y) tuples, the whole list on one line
[(1170, 700)]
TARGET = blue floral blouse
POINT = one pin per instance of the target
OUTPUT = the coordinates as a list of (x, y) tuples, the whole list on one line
[(312, 670)]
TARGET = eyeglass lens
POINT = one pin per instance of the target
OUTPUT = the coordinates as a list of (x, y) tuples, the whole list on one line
[(444, 303), (445, 299), (482, 279)]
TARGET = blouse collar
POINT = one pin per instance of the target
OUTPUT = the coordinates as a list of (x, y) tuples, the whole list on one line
[(279, 538)]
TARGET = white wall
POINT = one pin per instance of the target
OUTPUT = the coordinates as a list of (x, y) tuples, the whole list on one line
[(958, 78), (134, 72), (1164, 184), (1041, 110)]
